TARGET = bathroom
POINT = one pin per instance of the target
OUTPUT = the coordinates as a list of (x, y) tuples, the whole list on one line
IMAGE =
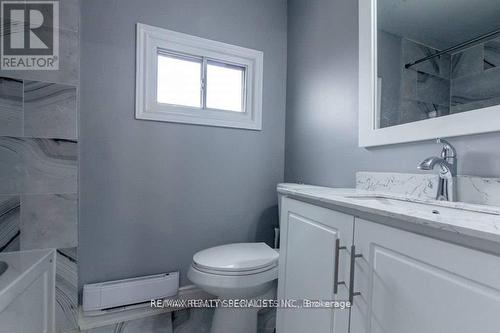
[(173, 157)]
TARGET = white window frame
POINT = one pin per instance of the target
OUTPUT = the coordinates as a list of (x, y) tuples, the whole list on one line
[(153, 40)]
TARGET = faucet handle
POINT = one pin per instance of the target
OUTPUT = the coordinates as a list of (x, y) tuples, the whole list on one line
[(448, 149)]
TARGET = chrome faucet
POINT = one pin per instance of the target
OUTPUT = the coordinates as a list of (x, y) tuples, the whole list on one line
[(447, 170)]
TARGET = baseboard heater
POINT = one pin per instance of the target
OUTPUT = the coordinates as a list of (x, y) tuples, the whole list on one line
[(99, 298)]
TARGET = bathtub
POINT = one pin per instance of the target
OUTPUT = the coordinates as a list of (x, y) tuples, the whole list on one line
[(27, 291)]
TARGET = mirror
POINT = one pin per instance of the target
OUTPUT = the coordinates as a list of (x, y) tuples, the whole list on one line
[(433, 65)]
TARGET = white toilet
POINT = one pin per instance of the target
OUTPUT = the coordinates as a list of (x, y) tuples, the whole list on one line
[(236, 271)]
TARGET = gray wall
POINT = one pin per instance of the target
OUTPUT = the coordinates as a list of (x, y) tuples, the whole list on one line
[(153, 193), (322, 108)]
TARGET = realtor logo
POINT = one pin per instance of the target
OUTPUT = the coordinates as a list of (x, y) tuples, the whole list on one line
[(30, 35)]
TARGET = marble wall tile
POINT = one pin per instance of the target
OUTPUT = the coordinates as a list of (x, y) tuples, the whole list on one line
[(182, 321), (409, 84), (12, 166), (11, 107), (445, 66), (475, 91), (66, 291), (69, 15), (37, 166), (412, 111), (425, 87), (439, 66), (388, 119), (155, 324), (69, 63), (491, 54), (9, 223), (467, 62), (48, 221), (50, 110), (433, 89), (415, 110), (193, 320)]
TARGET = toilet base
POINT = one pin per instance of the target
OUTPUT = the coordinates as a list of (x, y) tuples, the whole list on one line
[(230, 320)]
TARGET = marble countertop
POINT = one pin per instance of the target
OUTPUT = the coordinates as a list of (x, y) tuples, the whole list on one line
[(473, 220)]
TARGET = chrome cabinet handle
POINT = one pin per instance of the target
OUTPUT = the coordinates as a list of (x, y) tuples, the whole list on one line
[(336, 273), (353, 293)]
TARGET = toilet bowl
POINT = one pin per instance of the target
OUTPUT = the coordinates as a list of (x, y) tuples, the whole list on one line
[(234, 272)]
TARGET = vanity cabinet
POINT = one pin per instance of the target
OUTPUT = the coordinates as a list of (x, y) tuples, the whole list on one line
[(412, 284), (403, 282), (308, 263)]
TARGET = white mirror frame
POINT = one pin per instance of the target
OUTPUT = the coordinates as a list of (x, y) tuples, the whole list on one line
[(465, 123)]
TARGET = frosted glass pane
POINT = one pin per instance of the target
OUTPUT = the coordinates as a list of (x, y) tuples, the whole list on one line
[(225, 87), (179, 81)]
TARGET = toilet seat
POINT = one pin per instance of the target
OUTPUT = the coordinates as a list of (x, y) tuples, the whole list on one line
[(234, 273), (236, 259), (235, 266), (232, 281)]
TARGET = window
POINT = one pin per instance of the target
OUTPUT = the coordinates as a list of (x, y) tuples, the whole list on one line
[(225, 87), (186, 79), (179, 81)]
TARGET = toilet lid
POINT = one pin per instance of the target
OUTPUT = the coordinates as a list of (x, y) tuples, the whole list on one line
[(237, 257)]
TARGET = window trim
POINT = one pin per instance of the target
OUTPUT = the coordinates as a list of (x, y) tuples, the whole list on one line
[(152, 41)]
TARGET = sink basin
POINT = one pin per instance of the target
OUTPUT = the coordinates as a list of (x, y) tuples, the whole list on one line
[(463, 210), (3, 267)]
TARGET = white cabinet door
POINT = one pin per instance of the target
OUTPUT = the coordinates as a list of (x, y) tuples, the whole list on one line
[(308, 264), (414, 284)]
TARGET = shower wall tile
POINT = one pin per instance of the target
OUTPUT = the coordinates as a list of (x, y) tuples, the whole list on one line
[(12, 167), (66, 291), (182, 321), (492, 54), (69, 63), (389, 119), (69, 15), (50, 110), (445, 66), (439, 66), (155, 324), (37, 166), (11, 107), (433, 89), (412, 111), (193, 320), (476, 91), (468, 62), (38, 162), (53, 167), (48, 221), (415, 110), (409, 84), (9, 222)]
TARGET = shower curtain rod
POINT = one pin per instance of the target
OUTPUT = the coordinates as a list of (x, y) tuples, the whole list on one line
[(456, 47)]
